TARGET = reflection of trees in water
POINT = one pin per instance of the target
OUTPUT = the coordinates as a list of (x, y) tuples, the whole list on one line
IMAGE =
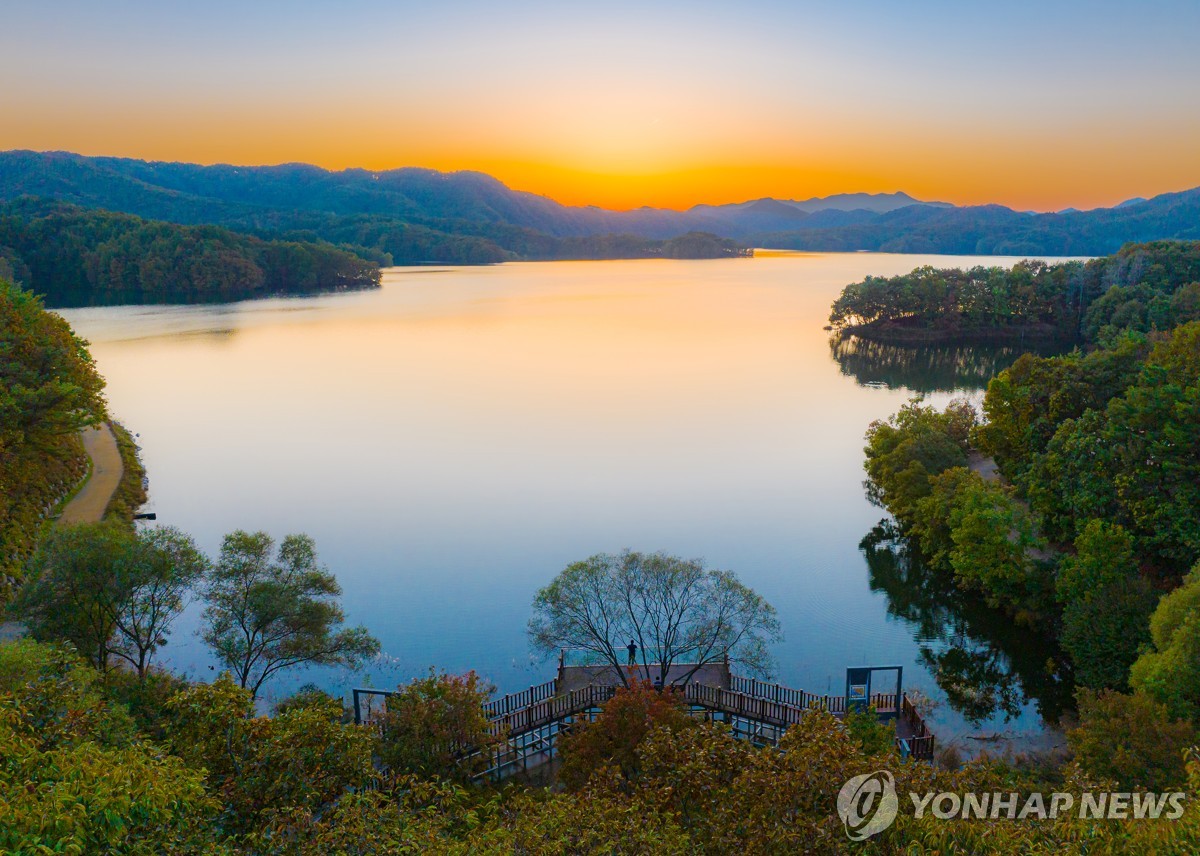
[(923, 368), (982, 662)]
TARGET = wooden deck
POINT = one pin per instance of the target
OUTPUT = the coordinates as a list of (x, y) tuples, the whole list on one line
[(575, 677), (528, 723)]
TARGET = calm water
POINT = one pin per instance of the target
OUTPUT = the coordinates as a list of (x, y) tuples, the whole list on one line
[(455, 439)]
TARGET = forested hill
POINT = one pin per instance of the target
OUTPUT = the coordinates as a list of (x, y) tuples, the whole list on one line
[(996, 230), (421, 215), (76, 257)]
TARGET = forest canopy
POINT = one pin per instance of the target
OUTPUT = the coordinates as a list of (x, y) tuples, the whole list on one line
[(77, 257), (1142, 288), (49, 389)]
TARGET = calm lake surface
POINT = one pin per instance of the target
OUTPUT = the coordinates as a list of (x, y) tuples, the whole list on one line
[(456, 438)]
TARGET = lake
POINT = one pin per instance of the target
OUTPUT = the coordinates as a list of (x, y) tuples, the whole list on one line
[(456, 438)]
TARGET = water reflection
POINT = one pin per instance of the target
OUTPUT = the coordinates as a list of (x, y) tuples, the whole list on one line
[(986, 666), (925, 368)]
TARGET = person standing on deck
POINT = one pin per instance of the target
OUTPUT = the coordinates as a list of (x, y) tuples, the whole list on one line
[(632, 646)]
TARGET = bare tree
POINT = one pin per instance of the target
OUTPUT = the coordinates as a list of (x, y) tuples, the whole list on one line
[(678, 613)]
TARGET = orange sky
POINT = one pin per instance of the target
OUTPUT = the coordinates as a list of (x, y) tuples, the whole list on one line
[(624, 105)]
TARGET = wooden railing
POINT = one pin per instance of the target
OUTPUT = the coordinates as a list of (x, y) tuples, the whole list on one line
[(921, 742), (763, 710), (516, 701), (770, 704), (882, 702), (542, 713)]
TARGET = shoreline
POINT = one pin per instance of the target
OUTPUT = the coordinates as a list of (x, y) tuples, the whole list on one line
[(913, 336)]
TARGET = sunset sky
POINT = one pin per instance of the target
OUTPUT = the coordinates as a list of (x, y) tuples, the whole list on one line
[(1037, 105)]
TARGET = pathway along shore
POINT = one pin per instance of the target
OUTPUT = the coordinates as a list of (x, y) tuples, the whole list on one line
[(89, 505)]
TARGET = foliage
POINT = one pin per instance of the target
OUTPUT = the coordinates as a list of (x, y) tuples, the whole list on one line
[(992, 536), (145, 696), (76, 586), (60, 698), (965, 302), (875, 737), (1027, 403), (1106, 606), (1131, 740), (81, 258), (303, 759), (612, 739), (49, 389), (675, 610), (1123, 451), (130, 494), (904, 453), (1170, 670), (110, 591), (1142, 288), (74, 778), (265, 614), (435, 726)]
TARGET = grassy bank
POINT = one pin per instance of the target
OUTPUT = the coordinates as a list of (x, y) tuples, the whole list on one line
[(131, 493)]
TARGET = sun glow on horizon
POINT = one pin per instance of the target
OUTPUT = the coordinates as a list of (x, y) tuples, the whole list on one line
[(622, 106)]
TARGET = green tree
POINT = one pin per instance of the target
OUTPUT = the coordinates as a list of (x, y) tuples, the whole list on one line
[(677, 612), (49, 389), (992, 536), (78, 582), (904, 453), (110, 591), (435, 726), (1132, 740), (164, 566), (268, 769), (1170, 670), (74, 776), (268, 611), (1106, 606)]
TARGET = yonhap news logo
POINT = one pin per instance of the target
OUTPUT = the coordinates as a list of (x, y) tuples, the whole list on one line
[(868, 805)]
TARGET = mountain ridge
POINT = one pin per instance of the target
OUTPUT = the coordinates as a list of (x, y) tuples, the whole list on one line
[(371, 208)]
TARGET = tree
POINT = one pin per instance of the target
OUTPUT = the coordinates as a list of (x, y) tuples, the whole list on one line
[(1170, 671), (78, 581), (110, 591), (266, 614), (165, 565), (75, 778), (49, 389), (1106, 606), (436, 727), (674, 609), (1131, 739), (916, 444), (613, 737), (300, 761), (992, 536)]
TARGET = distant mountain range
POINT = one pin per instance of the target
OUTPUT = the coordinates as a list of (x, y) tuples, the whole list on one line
[(424, 215)]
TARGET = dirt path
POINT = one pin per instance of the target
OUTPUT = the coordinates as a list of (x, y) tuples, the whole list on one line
[(985, 466), (88, 505)]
